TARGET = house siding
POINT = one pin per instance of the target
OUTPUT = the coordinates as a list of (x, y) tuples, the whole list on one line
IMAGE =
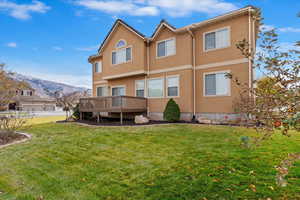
[(226, 59)]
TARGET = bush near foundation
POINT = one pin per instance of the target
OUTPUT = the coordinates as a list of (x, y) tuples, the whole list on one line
[(172, 111)]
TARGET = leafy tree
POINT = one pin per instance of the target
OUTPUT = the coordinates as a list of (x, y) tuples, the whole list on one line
[(172, 111), (8, 87), (9, 122), (274, 102)]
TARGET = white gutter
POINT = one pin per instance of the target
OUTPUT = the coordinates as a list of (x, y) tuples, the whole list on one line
[(194, 69), (233, 13)]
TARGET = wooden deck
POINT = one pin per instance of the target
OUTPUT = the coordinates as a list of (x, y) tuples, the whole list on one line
[(113, 104)]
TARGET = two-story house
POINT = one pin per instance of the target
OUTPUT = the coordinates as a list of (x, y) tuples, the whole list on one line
[(27, 100), (187, 64)]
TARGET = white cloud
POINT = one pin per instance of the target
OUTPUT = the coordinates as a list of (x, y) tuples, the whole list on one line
[(289, 30), (56, 48), (266, 27), (179, 8), (91, 48), (286, 46), (11, 45), (174, 8), (23, 11), (119, 7)]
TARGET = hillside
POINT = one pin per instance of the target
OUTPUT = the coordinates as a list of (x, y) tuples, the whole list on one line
[(45, 88)]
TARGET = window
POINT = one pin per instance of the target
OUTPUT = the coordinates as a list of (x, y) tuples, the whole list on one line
[(166, 48), (140, 88), (118, 91), (156, 87), (121, 43), (101, 91), (26, 93), (217, 84), (217, 39), (121, 56), (98, 67), (173, 86)]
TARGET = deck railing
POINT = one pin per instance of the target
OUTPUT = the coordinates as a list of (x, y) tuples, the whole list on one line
[(113, 104)]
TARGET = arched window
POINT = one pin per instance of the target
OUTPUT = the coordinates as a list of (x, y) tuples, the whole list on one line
[(121, 43)]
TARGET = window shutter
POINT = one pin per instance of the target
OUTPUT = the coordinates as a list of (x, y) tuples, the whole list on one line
[(128, 54), (114, 58), (210, 84), (161, 49)]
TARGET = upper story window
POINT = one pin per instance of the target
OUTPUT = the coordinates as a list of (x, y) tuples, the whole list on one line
[(140, 88), (121, 56), (98, 67), (26, 93), (166, 48), (121, 43), (216, 84), (217, 39)]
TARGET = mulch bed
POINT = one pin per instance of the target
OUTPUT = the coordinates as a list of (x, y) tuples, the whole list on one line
[(116, 122), (7, 138), (126, 122)]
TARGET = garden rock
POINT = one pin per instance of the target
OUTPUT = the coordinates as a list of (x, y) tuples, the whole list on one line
[(140, 119)]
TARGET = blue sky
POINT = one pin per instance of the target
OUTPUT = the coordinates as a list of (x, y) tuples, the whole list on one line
[(52, 39)]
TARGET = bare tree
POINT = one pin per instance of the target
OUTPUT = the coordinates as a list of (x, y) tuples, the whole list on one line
[(274, 102), (68, 101)]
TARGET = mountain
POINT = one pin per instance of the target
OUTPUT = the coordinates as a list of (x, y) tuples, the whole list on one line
[(44, 88)]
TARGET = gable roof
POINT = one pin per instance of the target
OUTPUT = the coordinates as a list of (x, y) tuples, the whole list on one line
[(160, 25), (170, 27), (117, 22)]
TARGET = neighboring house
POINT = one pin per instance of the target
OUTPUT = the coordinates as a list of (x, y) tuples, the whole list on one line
[(187, 64), (26, 100)]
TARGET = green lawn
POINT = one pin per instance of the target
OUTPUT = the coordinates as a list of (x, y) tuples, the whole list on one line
[(70, 162)]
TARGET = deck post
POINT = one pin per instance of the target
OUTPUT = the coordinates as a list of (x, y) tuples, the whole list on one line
[(80, 116), (121, 117), (98, 118)]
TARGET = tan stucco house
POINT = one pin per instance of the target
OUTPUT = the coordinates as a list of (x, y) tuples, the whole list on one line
[(187, 64)]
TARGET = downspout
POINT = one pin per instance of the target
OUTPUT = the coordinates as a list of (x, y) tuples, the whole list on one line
[(254, 46), (194, 70), (148, 74), (250, 50)]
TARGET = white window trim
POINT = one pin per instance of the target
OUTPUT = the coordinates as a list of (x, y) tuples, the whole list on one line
[(118, 43), (129, 61), (172, 76), (215, 30), (163, 96), (117, 86), (136, 88), (216, 72), (99, 71), (98, 86), (157, 42)]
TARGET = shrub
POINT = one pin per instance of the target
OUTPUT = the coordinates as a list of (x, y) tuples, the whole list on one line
[(76, 113), (172, 111)]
